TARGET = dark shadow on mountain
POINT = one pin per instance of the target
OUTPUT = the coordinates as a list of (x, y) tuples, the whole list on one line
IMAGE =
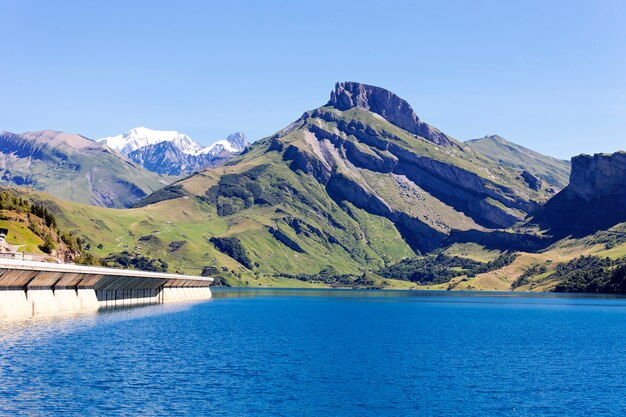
[(501, 240), (569, 215)]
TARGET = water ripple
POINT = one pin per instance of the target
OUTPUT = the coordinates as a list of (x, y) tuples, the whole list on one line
[(317, 353)]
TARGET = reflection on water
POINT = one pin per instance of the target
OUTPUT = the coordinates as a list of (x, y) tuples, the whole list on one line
[(43, 326), (427, 295), (323, 352)]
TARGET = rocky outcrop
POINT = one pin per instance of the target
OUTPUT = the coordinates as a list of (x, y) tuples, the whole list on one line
[(532, 181), (598, 175), (307, 163), (502, 240), (595, 199), (464, 190), (420, 236), (395, 110), (340, 187), (285, 240)]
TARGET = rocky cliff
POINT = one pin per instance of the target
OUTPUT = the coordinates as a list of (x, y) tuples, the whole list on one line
[(347, 95), (484, 200), (595, 198), (598, 175)]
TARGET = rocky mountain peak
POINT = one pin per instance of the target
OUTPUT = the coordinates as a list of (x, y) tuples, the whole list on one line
[(179, 154), (394, 109), (238, 140), (140, 137)]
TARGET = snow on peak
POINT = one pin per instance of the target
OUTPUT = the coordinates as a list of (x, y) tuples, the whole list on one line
[(235, 143), (141, 136), (186, 145), (219, 146), (238, 140)]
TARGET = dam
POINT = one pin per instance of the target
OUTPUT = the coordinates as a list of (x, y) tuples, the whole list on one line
[(29, 288)]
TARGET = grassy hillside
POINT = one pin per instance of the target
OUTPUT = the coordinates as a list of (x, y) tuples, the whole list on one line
[(537, 271), (179, 231), (33, 229), (554, 172)]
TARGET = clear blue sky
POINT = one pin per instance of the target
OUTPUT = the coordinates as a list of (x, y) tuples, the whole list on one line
[(549, 75)]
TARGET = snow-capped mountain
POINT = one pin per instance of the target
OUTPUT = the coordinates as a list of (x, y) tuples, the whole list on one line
[(237, 141), (140, 136), (174, 153)]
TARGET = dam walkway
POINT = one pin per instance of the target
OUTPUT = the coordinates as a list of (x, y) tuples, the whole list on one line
[(29, 288)]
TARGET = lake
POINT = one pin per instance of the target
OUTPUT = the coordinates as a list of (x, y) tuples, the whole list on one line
[(324, 353)]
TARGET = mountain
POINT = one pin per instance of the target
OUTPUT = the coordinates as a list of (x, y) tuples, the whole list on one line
[(73, 167), (139, 137), (237, 142), (595, 198), (182, 156), (553, 172), (174, 153), (346, 186), (345, 196)]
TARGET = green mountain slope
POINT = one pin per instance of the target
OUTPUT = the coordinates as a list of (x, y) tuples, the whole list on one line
[(74, 168), (554, 172), (33, 229)]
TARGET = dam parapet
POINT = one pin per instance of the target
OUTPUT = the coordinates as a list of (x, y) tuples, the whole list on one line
[(30, 288)]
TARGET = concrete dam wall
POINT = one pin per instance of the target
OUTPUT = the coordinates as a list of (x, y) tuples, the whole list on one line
[(30, 288)]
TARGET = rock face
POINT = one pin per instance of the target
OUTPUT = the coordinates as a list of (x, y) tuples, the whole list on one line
[(395, 110), (465, 190), (595, 198), (532, 181), (238, 141), (598, 175), (74, 168)]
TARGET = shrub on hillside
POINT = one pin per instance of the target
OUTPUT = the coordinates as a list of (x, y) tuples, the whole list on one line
[(126, 259), (592, 274), (48, 244), (232, 247), (437, 269)]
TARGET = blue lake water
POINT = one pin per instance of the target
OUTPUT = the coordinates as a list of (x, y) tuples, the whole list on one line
[(324, 353)]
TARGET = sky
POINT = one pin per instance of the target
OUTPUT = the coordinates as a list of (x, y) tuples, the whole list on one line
[(548, 75)]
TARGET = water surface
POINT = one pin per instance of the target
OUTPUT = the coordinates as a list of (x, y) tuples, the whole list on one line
[(324, 353)]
